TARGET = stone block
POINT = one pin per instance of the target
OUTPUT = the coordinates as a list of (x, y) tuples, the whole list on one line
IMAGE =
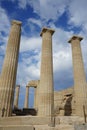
[(68, 120), (17, 128), (81, 127), (24, 120), (57, 127)]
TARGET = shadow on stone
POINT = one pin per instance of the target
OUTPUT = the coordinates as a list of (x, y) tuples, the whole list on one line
[(68, 106), (24, 112)]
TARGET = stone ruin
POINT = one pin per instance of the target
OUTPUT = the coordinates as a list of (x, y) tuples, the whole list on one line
[(55, 110)]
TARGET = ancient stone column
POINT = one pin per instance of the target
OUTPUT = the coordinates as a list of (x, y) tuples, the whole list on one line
[(35, 97), (46, 90), (17, 89), (26, 97), (9, 70), (80, 87)]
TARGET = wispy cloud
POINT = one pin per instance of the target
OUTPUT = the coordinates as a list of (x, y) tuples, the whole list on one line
[(35, 21), (51, 10), (29, 44), (77, 12), (4, 21), (4, 30), (33, 3)]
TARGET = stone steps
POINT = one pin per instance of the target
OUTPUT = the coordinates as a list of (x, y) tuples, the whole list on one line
[(44, 127), (70, 120), (24, 120), (35, 120), (17, 127), (57, 127), (37, 127), (39, 123)]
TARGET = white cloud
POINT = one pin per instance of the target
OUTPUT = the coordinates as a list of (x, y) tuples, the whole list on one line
[(33, 3), (23, 3), (4, 29), (29, 44), (35, 21), (29, 66), (52, 9), (46, 9), (62, 60), (27, 70), (32, 25), (78, 13), (4, 21)]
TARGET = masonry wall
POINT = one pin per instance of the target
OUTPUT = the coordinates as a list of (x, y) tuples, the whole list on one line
[(64, 102)]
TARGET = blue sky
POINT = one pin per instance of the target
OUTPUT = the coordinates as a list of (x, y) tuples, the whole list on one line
[(67, 17)]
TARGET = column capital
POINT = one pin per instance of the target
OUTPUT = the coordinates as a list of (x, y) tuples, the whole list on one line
[(16, 22), (33, 83), (27, 86), (74, 37), (47, 29), (18, 86)]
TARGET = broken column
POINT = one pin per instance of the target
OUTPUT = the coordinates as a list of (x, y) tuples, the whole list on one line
[(46, 90), (17, 89), (26, 97), (80, 87), (9, 70)]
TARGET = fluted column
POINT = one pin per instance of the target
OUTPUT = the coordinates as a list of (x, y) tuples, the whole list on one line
[(46, 90), (80, 87), (17, 89), (26, 97), (9, 70), (35, 97)]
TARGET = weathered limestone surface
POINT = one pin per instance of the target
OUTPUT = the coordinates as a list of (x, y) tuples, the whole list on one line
[(39, 127), (58, 127), (64, 102), (16, 127), (36, 120), (80, 86), (16, 96), (36, 97), (33, 83), (8, 75), (26, 97), (81, 127), (40, 123), (46, 95), (24, 120)]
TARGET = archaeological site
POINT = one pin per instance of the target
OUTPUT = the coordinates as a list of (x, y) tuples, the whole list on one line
[(53, 110)]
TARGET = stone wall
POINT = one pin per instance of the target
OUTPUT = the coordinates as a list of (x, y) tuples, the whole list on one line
[(64, 102)]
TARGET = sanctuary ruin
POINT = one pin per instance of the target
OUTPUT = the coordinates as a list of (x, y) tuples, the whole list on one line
[(53, 110)]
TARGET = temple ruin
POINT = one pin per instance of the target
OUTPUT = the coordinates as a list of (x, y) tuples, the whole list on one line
[(53, 110)]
